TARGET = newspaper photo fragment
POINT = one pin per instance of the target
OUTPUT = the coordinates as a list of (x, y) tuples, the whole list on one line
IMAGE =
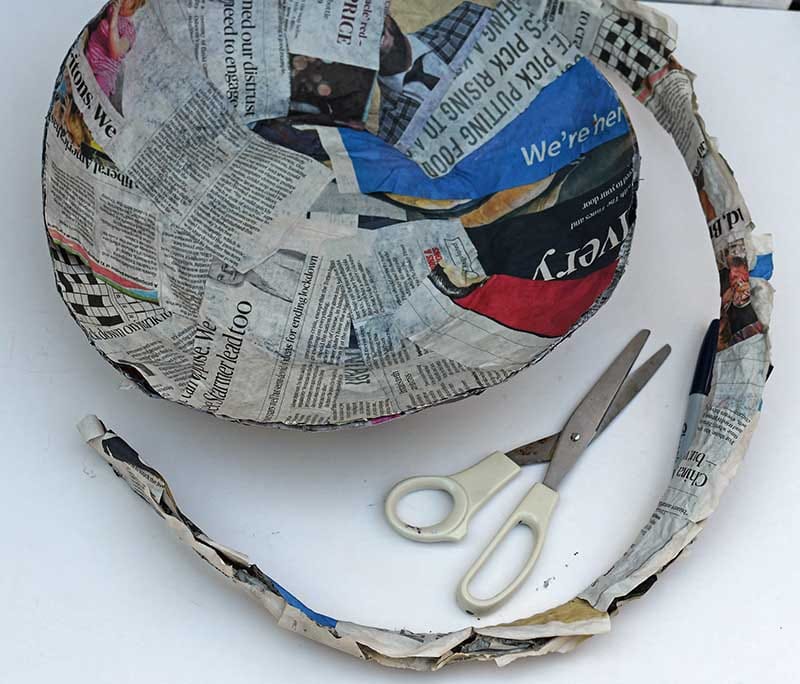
[(204, 179)]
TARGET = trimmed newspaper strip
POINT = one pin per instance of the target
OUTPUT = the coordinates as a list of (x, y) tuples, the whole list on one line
[(575, 115), (107, 221), (423, 48), (380, 270), (290, 309), (178, 138), (623, 35), (334, 53), (242, 48), (516, 56)]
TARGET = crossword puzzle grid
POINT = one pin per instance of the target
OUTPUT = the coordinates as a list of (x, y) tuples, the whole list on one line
[(631, 47), (93, 302)]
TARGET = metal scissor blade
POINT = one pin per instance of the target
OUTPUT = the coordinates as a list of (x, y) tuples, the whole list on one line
[(634, 384), (541, 451), (583, 425)]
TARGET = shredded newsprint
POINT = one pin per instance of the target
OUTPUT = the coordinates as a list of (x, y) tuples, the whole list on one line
[(635, 41)]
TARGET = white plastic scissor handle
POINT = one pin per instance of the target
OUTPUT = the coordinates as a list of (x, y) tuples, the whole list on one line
[(469, 489), (534, 512)]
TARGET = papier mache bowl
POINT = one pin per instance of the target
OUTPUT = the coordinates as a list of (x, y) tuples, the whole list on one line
[(332, 227)]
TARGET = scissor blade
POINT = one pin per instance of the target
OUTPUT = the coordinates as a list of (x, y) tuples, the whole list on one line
[(634, 384), (541, 451), (583, 425)]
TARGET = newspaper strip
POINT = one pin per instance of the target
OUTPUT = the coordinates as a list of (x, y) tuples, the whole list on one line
[(525, 47), (433, 321), (699, 476), (405, 381), (103, 312), (334, 52), (160, 359), (111, 225), (379, 271), (423, 47), (549, 632), (597, 200), (203, 183), (241, 47), (569, 119), (270, 341), (269, 344), (516, 56), (334, 202), (344, 31)]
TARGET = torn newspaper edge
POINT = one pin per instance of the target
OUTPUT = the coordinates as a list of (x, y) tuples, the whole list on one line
[(617, 33)]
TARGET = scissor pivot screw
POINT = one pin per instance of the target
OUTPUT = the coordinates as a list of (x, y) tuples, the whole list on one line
[(575, 436)]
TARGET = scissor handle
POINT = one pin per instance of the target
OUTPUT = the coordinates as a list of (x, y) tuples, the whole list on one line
[(469, 490), (534, 512)]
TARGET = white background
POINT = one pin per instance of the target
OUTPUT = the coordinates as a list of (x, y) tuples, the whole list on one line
[(94, 588)]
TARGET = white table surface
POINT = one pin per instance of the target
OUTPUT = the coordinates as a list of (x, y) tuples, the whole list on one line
[(94, 588)]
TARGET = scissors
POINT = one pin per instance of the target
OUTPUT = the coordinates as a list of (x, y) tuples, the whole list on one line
[(470, 489)]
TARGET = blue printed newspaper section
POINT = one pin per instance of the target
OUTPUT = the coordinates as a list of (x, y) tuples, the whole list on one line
[(569, 118)]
